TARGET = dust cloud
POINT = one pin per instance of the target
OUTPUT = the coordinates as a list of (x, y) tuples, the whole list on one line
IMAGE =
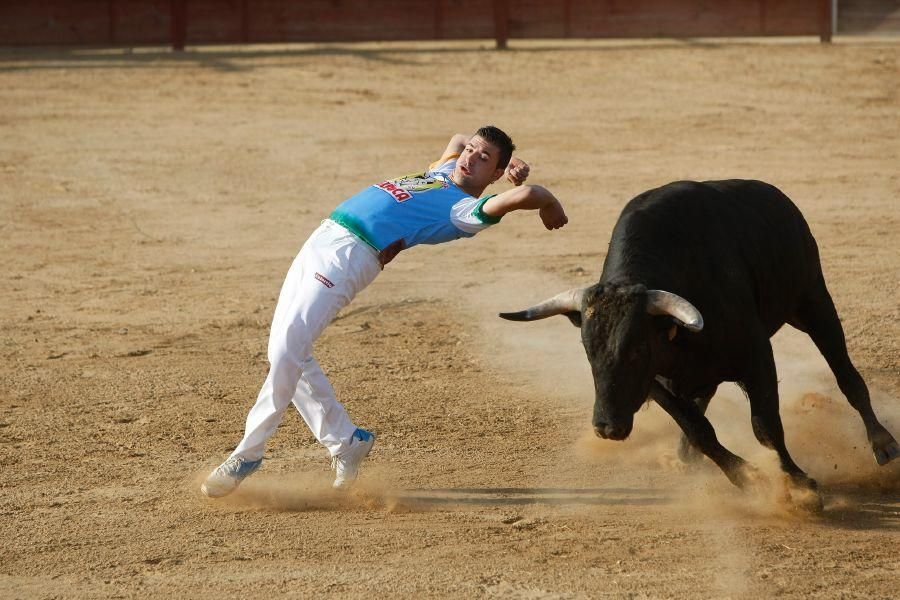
[(545, 355), (312, 491)]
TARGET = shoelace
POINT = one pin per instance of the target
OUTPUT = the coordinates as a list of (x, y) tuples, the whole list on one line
[(230, 466)]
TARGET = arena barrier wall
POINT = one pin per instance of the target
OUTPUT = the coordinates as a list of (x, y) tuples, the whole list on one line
[(194, 22)]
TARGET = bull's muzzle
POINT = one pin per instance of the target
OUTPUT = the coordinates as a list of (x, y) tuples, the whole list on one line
[(615, 432)]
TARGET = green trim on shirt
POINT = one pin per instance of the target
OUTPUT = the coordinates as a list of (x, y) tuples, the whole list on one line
[(349, 223), (481, 216)]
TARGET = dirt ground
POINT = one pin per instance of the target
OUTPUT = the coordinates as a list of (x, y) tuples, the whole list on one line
[(152, 203)]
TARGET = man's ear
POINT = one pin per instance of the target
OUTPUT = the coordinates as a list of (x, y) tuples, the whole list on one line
[(498, 173)]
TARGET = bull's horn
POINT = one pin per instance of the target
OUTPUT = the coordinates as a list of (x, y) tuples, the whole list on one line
[(560, 304), (667, 303)]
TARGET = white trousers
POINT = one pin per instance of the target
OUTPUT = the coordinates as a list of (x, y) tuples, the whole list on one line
[(333, 266)]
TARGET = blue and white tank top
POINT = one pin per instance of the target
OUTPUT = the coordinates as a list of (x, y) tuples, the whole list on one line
[(420, 208)]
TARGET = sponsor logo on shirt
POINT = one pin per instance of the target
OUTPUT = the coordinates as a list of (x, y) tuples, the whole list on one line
[(420, 182), (402, 187), (399, 194), (325, 281)]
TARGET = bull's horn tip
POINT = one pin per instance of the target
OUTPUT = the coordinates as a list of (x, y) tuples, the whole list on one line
[(513, 316), (694, 326)]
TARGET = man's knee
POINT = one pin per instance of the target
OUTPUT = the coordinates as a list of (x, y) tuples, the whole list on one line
[(293, 346)]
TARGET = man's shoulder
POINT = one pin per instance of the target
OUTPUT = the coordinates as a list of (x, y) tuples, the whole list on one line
[(444, 164)]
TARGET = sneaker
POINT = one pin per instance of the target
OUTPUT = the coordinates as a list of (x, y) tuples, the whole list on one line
[(228, 476), (346, 465)]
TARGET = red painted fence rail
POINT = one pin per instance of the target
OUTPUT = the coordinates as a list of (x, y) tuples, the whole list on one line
[(183, 22)]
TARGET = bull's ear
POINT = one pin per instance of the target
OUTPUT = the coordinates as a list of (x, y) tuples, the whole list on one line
[(575, 317)]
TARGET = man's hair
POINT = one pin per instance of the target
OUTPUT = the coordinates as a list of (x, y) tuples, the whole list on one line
[(501, 141)]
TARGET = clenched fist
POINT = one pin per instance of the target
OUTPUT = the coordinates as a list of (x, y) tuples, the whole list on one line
[(517, 171)]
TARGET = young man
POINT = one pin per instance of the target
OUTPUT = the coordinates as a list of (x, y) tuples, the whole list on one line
[(342, 257)]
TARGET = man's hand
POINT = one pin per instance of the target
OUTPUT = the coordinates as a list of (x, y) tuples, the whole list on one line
[(528, 197), (553, 215), (517, 171)]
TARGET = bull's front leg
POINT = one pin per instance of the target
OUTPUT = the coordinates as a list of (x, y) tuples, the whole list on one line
[(700, 433)]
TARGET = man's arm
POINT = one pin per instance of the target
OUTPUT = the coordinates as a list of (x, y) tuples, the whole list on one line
[(528, 197), (454, 148)]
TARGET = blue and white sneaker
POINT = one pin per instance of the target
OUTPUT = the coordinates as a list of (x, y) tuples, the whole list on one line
[(346, 465), (227, 476)]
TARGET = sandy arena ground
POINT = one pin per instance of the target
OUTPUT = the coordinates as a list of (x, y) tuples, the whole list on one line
[(151, 204)]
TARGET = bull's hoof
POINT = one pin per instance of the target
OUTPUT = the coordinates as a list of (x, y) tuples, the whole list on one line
[(887, 452), (806, 500), (804, 481), (801, 495)]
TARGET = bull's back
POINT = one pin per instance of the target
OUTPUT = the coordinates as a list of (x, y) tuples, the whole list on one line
[(729, 246)]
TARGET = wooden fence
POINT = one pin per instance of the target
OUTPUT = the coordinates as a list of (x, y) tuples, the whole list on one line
[(192, 22)]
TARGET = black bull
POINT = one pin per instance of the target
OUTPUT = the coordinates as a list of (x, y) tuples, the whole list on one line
[(729, 262)]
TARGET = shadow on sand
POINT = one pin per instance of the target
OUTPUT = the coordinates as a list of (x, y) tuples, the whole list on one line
[(861, 509), (246, 58), (527, 496), (268, 496), (850, 508)]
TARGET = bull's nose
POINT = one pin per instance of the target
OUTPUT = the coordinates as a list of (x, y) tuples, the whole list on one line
[(612, 432)]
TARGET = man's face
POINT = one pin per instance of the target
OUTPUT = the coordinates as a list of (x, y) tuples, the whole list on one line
[(476, 167)]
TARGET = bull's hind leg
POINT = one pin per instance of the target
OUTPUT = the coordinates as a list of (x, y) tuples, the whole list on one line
[(761, 386), (819, 319)]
